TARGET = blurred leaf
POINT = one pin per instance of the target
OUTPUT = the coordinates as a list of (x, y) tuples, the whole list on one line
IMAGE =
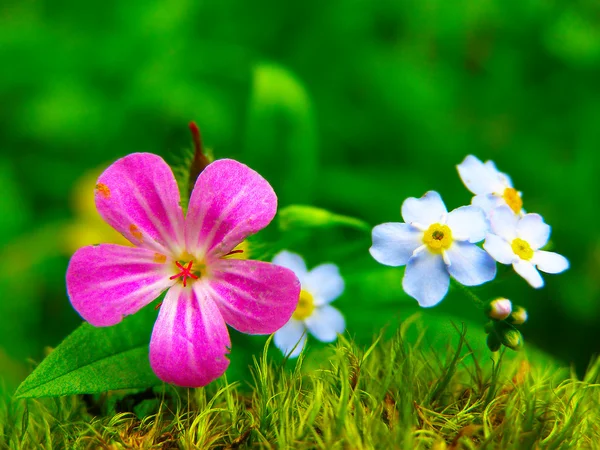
[(15, 211), (21, 312), (303, 216), (281, 140), (93, 360)]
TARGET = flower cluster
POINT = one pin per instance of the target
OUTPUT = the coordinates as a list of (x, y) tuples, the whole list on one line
[(194, 257), (435, 245)]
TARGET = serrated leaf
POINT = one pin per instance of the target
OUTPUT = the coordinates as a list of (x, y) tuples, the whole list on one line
[(303, 216), (281, 138), (92, 360)]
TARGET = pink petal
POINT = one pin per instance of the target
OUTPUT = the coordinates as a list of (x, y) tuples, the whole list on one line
[(108, 281), (254, 297), (190, 341), (229, 202), (138, 196)]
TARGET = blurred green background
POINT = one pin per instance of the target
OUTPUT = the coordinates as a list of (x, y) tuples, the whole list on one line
[(347, 105)]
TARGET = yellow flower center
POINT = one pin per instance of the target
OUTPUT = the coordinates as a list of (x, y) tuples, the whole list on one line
[(306, 306), (186, 268), (438, 237), (513, 199), (522, 249)]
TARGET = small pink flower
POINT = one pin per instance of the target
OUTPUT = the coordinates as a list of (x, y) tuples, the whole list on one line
[(138, 196)]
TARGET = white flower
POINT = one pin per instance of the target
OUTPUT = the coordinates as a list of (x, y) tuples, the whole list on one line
[(320, 286), (491, 187), (517, 240), (434, 245)]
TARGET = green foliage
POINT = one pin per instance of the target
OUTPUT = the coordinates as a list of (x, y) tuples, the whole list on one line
[(393, 394), (94, 360), (360, 105), (280, 131), (302, 216)]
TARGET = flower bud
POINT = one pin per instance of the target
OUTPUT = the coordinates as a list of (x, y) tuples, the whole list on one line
[(493, 342), (509, 336), (488, 327), (518, 316), (499, 309)]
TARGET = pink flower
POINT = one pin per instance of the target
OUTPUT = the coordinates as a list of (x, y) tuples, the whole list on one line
[(138, 196)]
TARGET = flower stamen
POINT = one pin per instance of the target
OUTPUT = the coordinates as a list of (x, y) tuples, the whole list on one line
[(438, 237), (185, 272), (522, 249), (513, 199)]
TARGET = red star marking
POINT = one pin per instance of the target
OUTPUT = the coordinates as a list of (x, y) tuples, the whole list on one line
[(185, 272)]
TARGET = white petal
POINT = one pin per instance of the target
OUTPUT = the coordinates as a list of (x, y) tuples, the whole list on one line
[(426, 278), (425, 210), (532, 229), (468, 222), (550, 262), (503, 178), (288, 336), (291, 261), (503, 222), (499, 249), (324, 283), (470, 265), (529, 273), (325, 323), (394, 243), (487, 202), (479, 178)]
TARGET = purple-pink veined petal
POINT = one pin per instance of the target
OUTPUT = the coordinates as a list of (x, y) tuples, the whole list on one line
[(470, 265), (528, 271), (190, 341), (499, 249), (550, 262), (138, 196), (254, 297), (425, 210), (229, 202), (426, 278), (291, 338), (394, 243), (107, 282), (468, 223), (503, 222), (532, 229)]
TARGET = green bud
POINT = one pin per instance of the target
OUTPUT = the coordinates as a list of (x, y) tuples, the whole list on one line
[(499, 309), (509, 336), (488, 327), (518, 316), (303, 216), (493, 342)]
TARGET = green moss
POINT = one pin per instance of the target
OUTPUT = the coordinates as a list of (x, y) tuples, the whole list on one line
[(394, 394)]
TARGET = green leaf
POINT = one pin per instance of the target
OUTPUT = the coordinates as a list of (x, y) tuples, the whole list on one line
[(92, 360), (281, 138), (302, 216)]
